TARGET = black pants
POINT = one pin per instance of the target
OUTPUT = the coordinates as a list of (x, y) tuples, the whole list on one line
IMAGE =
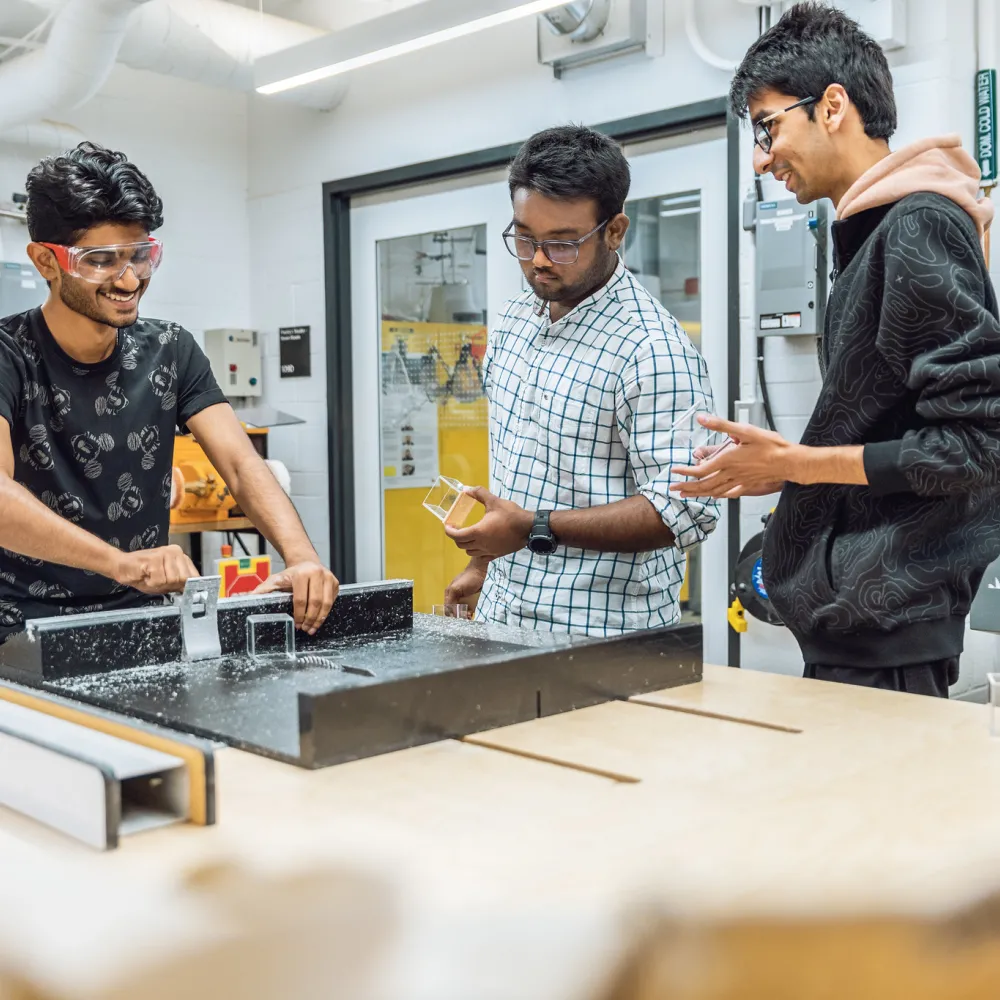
[(932, 679)]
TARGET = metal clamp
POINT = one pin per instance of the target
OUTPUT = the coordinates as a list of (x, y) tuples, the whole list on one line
[(254, 620), (199, 606)]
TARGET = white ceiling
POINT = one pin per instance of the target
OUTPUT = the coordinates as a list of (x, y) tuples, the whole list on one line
[(332, 14), (19, 16)]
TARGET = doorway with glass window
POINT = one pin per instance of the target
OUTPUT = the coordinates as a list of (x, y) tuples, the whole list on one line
[(429, 275)]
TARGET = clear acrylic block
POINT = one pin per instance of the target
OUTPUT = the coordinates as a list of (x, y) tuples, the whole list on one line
[(448, 502), (254, 620), (689, 435)]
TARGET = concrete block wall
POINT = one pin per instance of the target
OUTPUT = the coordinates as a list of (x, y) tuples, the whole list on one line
[(287, 289)]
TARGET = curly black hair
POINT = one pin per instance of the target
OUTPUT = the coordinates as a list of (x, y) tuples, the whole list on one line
[(86, 187), (811, 47), (572, 161)]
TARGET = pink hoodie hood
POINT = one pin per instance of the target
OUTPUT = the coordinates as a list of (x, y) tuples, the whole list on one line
[(937, 165)]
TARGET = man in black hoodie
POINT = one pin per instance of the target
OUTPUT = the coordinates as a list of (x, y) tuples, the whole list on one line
[(889, 510)]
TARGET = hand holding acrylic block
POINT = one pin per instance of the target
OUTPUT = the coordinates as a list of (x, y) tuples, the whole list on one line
[(702, 443), (449, 502)]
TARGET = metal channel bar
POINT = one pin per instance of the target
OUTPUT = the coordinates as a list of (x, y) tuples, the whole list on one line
[(37, 626)]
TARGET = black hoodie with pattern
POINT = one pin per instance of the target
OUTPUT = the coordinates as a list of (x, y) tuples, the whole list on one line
[(883, 575)]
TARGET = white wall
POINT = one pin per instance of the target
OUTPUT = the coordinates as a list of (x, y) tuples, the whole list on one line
[(489, 91), (191, 141)]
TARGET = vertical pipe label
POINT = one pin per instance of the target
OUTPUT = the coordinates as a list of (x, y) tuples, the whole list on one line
[(986, 124)]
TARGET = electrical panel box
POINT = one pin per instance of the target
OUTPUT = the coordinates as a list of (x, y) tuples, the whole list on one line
[(21, 288), (235, 357), (791, 270)]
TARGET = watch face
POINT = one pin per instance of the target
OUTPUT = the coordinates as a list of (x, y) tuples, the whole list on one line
[(542, 545)]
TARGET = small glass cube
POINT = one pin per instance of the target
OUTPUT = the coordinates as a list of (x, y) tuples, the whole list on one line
[(448, 502), (994, 682), (689, 435)]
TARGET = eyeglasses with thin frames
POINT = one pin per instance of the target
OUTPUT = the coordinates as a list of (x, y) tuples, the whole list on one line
[(761, 133), (557, 251)]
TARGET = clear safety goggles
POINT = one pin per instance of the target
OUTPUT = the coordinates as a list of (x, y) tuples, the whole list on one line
[(103, 264)]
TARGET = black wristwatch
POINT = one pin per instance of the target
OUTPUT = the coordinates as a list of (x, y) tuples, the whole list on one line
[(540, 539)]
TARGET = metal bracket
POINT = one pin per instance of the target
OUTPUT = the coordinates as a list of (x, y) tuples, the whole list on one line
[(199, 606)]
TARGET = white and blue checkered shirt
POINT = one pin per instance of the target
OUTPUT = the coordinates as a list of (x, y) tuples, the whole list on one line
[(581, 412)]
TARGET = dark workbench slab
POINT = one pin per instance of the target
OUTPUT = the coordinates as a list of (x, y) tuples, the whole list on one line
[(376, 678)]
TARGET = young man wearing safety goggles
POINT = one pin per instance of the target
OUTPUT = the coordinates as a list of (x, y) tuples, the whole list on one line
[(90, 399)]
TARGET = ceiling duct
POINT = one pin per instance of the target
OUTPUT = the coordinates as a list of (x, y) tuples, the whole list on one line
[(590, 31), (204, 41), (70, 67)]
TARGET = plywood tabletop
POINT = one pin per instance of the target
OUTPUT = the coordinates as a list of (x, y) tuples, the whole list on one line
[(825, 797)]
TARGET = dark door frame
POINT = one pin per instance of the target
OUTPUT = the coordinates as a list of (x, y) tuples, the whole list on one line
[(337, 197)]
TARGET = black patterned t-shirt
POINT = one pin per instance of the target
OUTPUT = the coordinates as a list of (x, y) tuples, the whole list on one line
[(95, 444)]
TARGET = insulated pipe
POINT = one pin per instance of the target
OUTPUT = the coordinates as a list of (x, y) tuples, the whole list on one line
[(71, 67), (210, 41), (43, 137), (215, 43)]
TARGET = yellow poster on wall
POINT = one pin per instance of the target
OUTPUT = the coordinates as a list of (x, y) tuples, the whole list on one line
[(434, 422)]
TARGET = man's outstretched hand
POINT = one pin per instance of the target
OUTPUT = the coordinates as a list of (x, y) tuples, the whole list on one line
[(754, 463), (313, 588)]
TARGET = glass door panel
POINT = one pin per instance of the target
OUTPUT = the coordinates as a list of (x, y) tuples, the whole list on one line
[(432, 303), (663, 250)]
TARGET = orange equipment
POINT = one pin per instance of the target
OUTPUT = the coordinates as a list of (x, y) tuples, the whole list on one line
[(199, 495)]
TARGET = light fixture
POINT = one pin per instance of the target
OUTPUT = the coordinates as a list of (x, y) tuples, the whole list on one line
[(408, 30)]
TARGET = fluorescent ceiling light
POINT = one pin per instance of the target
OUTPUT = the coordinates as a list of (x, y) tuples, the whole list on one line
[(408, 30)]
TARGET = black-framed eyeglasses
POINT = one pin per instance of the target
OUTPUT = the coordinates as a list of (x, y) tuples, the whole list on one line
[(761, 133), (558, 251)]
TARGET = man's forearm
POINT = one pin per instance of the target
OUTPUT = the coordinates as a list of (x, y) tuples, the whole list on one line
[(30, 528), (844, 465), (631, 525), (273, 514)]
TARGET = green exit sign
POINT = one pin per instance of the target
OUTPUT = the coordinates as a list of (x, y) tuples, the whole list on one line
[(986, 124)]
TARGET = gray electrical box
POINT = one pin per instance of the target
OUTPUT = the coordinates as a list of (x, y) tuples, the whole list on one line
[(791, 273), (21, 288), (235, 357)]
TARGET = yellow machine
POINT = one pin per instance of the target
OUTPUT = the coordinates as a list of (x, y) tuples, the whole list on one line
[(199, 495)]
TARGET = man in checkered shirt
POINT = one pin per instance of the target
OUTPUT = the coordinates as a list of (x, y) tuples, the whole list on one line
[(585, 376)]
